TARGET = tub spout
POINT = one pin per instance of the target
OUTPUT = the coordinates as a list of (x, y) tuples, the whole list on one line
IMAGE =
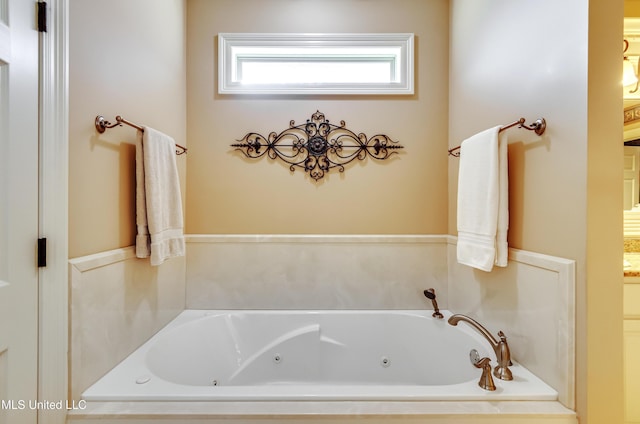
[(501, 348), (431, 295)]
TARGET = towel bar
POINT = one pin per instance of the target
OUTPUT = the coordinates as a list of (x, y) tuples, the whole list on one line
[(102, 125), (538, 126)]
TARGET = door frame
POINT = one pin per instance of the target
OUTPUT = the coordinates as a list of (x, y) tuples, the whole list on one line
[(53, 222)]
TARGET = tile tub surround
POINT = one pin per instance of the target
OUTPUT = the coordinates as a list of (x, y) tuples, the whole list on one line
[(533, 298), (117, 302), (315, 272), (336, 272), (533, 301)]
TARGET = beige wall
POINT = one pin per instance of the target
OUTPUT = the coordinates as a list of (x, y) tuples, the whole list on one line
[(565, 188), (496, 80), (227, 194), (125, 58)]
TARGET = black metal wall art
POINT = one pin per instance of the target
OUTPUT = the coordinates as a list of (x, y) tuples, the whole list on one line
[(317, 146)]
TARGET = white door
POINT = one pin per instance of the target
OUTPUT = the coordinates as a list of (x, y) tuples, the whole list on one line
[(18, 211)]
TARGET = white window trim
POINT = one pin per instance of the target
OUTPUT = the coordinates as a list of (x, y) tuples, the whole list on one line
[(235, 48)]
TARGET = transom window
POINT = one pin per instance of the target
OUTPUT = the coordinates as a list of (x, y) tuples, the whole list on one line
[(315, 63)]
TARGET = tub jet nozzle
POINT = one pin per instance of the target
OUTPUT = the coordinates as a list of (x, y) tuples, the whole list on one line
[(431, 295)]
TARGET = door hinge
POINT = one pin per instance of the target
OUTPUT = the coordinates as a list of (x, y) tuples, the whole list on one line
[(42, 16), (42, 252)]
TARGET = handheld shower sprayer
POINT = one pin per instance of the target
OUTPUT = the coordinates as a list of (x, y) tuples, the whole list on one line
[(431, 295)]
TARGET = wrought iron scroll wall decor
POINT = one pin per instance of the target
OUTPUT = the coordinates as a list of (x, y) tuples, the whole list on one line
[(317, 146)]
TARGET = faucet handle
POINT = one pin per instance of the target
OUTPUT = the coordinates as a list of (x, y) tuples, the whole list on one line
[(486, 381), (503, 354), (503, 339)]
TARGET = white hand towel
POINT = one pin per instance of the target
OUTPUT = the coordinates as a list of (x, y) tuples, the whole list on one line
[(483, 200), (158, 200)]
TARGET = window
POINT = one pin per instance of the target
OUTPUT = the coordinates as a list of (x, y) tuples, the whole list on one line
[(315, 63)]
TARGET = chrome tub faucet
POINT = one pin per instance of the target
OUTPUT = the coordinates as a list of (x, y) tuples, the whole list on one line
[(501, 348)]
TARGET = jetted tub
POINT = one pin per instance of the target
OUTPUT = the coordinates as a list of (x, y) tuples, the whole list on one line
[(311, 355)]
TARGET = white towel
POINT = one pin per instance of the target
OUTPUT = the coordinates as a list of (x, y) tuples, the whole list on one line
[(158, 200), (483, 200)]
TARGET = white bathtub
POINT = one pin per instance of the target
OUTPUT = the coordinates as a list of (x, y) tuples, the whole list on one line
[(310, 355)]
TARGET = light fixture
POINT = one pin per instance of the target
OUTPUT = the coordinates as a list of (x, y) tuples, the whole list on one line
[(629, 73)]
